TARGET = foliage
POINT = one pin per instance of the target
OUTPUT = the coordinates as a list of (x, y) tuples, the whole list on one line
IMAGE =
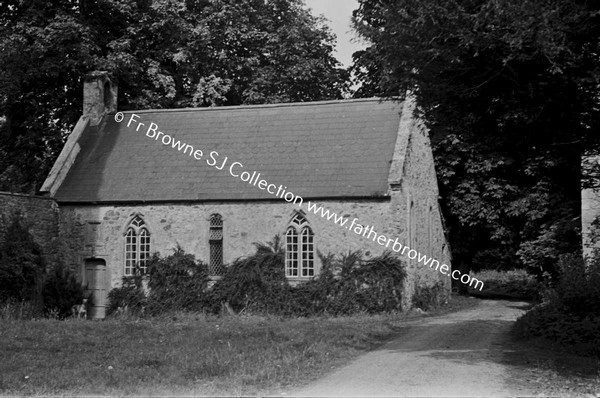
[(517, 284), (176, 282), (164, 53), (256, 283), (570, 311), (579, 285), (581, 332), (21, 263), (427, 297), (23, 279), (350, 284), (129, 295), (345, 285), (61, 292), (508, 90), (13, 309)]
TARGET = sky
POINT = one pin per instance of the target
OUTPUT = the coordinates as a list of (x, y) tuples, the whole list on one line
[(338, 12)]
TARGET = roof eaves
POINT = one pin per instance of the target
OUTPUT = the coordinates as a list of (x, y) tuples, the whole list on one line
[(378, 198)]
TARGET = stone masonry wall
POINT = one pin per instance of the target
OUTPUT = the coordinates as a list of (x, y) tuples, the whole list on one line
[(40, 215), (188, 226), (420, 187), (590, 209)]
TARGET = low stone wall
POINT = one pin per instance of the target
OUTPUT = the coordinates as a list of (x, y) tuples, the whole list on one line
[(40, 216)]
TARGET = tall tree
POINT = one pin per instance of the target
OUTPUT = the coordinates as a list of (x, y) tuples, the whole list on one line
[(165, 53), (509, 89)]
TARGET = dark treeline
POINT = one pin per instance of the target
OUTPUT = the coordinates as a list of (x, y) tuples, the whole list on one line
[(509, 90), (163, 53)]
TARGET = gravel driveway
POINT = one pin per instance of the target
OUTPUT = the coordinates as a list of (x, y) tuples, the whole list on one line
[(453, 355)]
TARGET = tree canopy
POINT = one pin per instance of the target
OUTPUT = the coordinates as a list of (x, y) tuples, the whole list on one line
[(510, 92), (164, 53)]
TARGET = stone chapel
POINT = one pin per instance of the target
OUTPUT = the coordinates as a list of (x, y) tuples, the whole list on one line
[(123, 193)]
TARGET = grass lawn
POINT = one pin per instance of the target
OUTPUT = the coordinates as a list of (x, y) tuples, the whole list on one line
[(182, 354)]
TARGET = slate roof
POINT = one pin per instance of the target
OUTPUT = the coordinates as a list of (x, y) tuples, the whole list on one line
[(332, 149)]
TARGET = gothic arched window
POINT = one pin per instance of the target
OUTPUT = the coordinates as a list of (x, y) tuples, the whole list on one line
[(299, 257), (137, 247)]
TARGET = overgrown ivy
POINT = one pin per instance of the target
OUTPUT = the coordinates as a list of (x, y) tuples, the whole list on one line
[(346, 284), (130, 295), (349, 284), (256, 283), (176, 282)]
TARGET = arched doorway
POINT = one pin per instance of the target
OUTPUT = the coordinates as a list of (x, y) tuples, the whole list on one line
[(95, 279)]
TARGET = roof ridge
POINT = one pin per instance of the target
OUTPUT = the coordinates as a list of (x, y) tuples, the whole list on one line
[(277, 105)]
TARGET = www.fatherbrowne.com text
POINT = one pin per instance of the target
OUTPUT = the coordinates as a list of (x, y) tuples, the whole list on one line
[(237, 170)]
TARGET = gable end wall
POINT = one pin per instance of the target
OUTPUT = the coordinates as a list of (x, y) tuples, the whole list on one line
[(415, 180)]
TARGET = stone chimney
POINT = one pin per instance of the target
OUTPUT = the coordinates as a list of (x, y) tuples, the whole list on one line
[(99, 96)]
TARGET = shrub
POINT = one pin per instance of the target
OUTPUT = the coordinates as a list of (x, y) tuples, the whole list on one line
[(516, 283), (130, 295), (256, 283), (21, 264), (570, 311), (60, 292), (376, 283), (177, 282), (349, 284), (427, 297), (320, 294), (13, 309), (548, 320), (578, 287)]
